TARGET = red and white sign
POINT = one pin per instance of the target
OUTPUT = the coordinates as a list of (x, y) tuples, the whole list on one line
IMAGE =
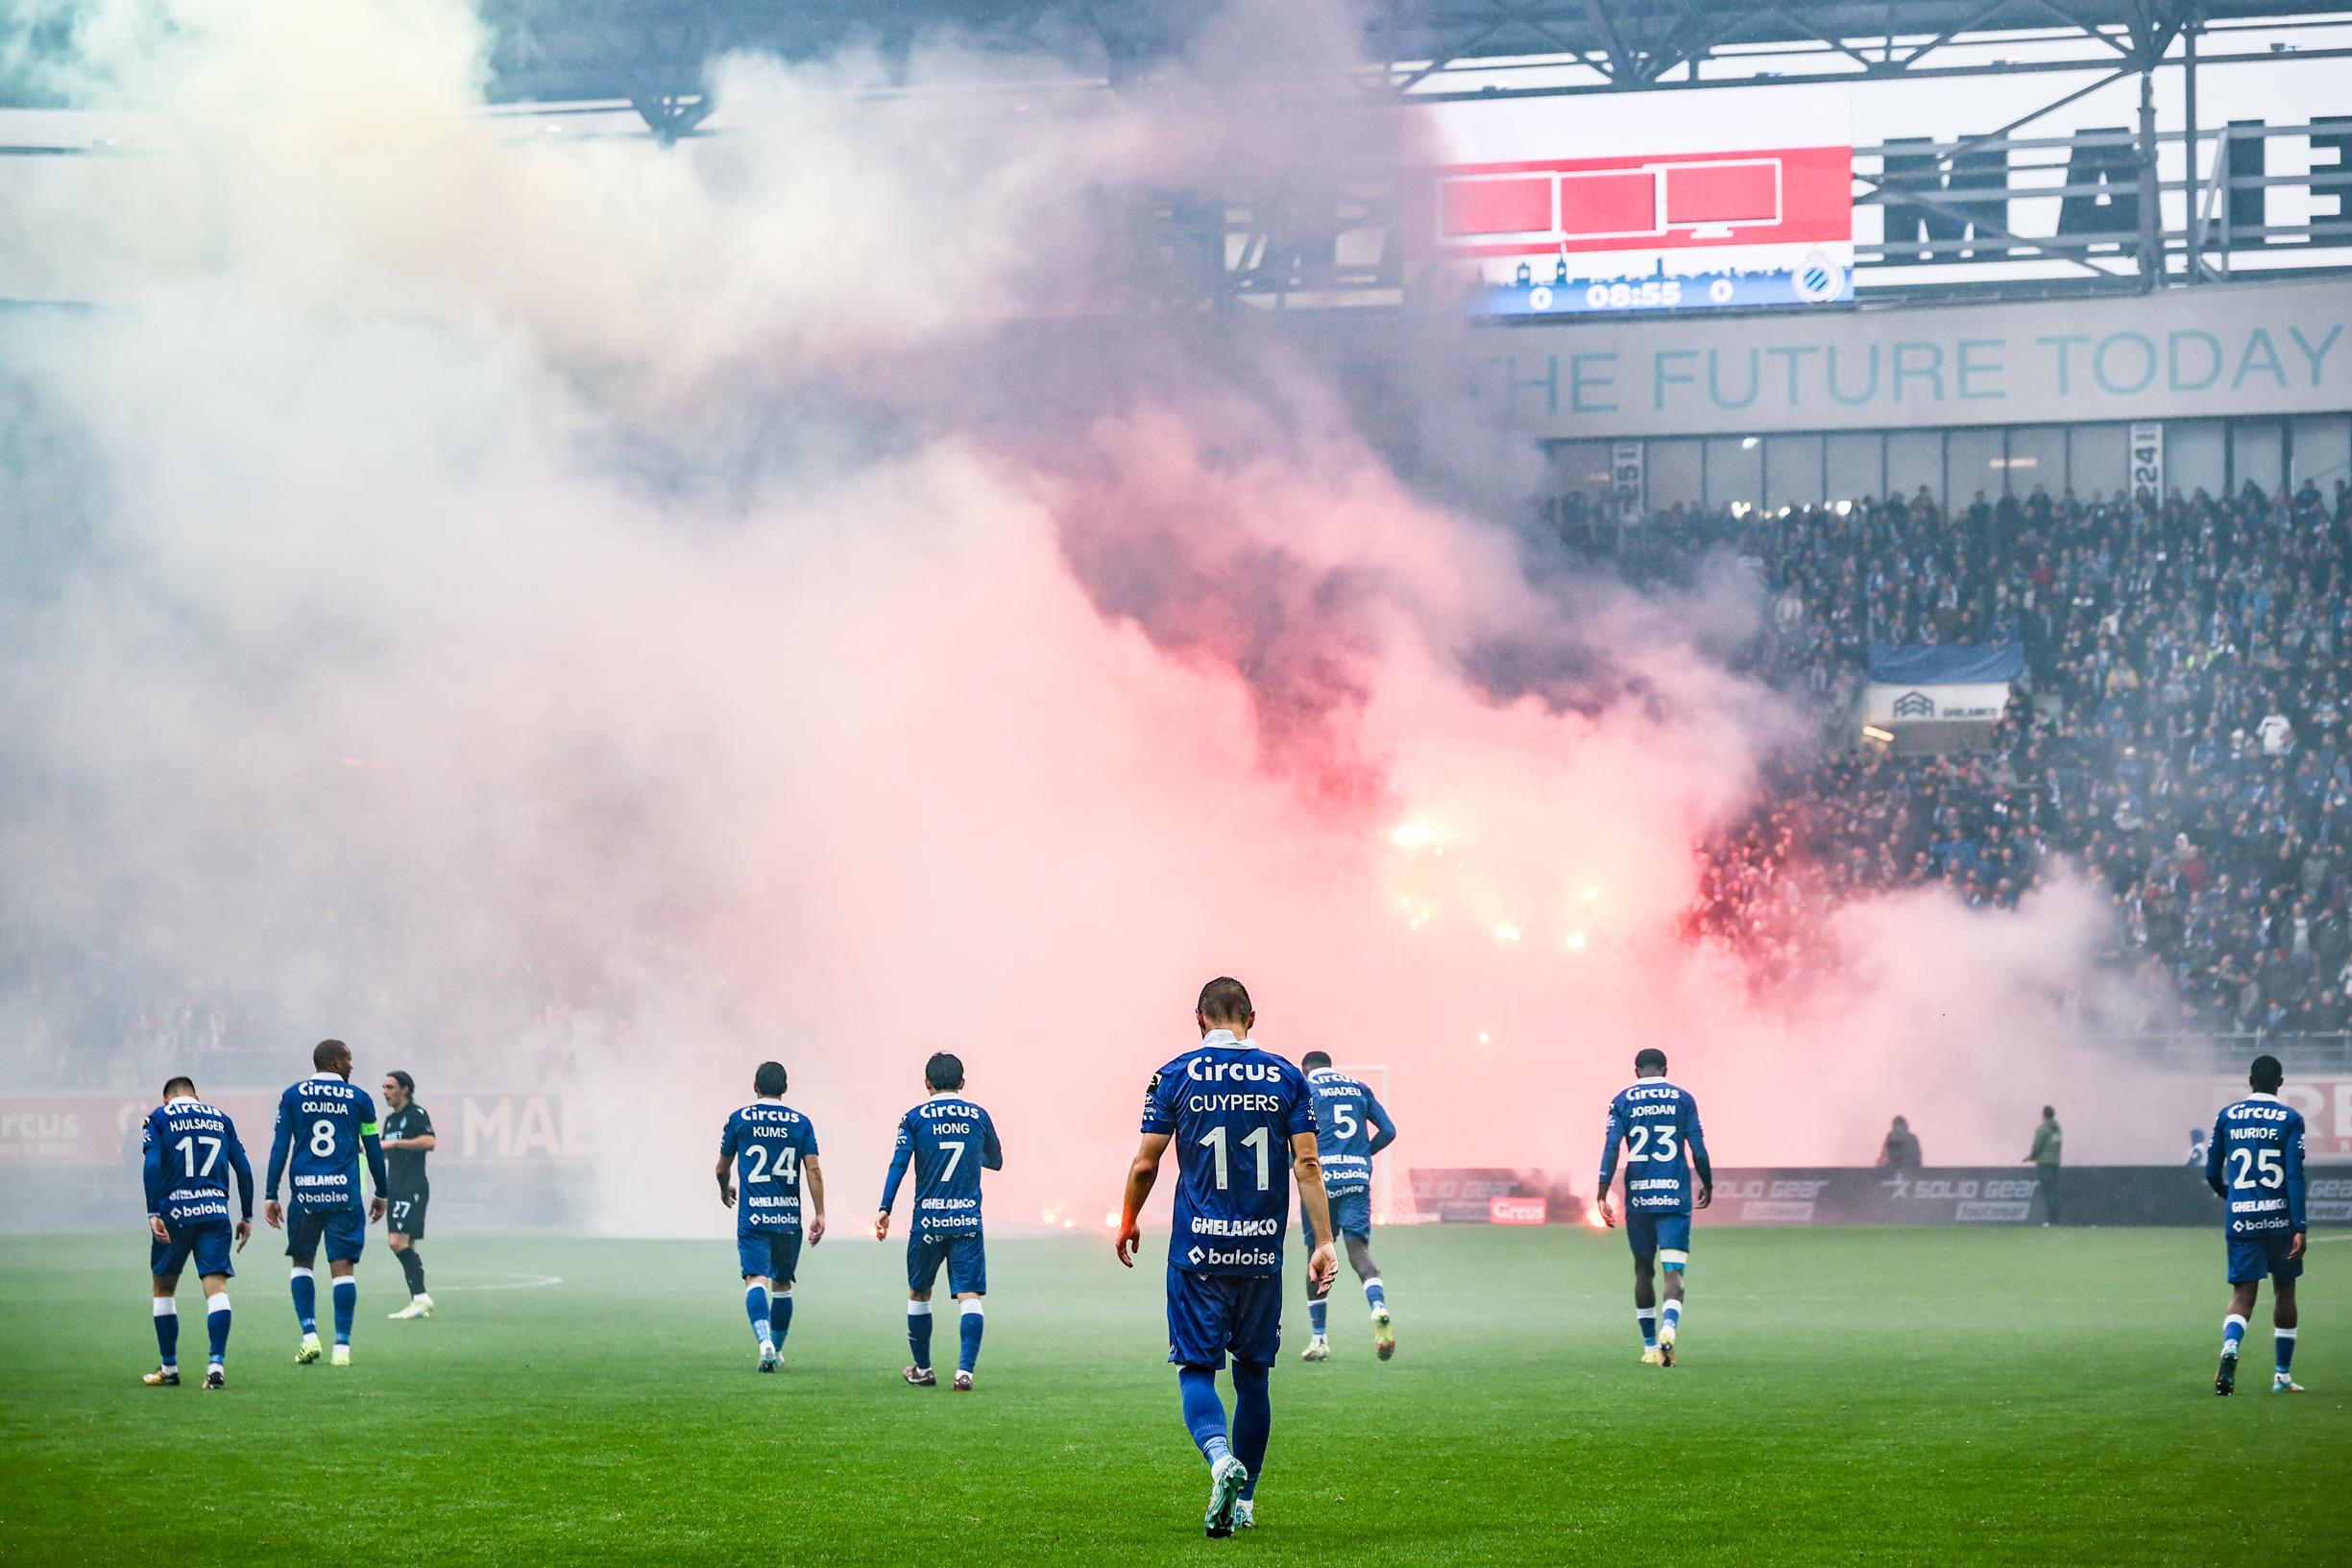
[(1726, 185), (2326, 1104), (1517, 1211)]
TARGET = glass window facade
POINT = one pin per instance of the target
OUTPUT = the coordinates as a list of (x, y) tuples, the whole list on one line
[(1677, 477), (1953, 464), (1735, 470), (2322, 450), (1915, 458), (1792, 471)]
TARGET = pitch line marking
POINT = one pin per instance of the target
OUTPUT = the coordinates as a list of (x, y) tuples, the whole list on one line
[(514, 1282)]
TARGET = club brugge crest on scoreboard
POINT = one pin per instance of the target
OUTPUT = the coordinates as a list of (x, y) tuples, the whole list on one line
[(1819, 281), (1915, 705)]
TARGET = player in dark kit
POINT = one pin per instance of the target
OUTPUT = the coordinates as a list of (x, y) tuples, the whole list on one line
[(1658, 1125), (771, 1145), (1242, 1122), (1351, 1127), (189, 1149), (325, 1123), (407, 1138), (2255, 1161), (949, 1141)]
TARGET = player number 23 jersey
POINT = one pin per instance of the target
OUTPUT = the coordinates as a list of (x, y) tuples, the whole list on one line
[(1657, 1125), (1231, 1110)]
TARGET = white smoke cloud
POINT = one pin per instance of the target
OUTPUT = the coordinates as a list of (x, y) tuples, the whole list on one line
[(579, 613)]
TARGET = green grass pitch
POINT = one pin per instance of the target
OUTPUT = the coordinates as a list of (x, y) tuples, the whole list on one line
[(1860, 1396)]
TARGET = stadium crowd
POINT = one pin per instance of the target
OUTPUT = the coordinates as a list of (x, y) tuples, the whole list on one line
[(2183, 738)]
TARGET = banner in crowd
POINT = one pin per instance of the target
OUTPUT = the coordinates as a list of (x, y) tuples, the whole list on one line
[(1883, 704), (97, 1127), (1903, 664)]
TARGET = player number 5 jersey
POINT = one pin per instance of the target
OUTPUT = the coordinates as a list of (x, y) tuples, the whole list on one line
[(2255, 1161), (1657, 1124), (1231, 1110), (1351, 1127)]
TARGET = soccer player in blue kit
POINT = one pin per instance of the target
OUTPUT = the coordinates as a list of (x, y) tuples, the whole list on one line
[(189, 1149), (2255, 1161), (325, 1123), (774, 1146), (1242, 1122), (1658, 1125), (1351, 1127), (949, 1141)]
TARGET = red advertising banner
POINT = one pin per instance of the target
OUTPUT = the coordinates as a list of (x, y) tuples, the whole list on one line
[(2326, 1104)]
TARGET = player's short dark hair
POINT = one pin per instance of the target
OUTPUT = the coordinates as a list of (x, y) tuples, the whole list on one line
[(408, 1085), (1224, 999), (770, 1081), (2050, 1110), (1314, 1060), (943, 1071), (183, 1082), (1649, 1058), (327, 1052), (2266, 1075)]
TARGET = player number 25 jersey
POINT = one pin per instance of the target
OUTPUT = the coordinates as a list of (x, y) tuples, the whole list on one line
[(767, 1140), (2255, 1161), (1657, 1124), (1231, 1110)]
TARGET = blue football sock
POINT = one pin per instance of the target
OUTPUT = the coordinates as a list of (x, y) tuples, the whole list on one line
[(305, 1300), (167, 1330), (1670, 1317), (216, 1326), (755, 1307), (1319, 1309), (1205, 1413), (1374, 1294), (918, 1334), (780, 1316), (2284, 1340), (974, 1322), (1645, 1318), (347, 1304), (2233, 1334), (1254, 1421)]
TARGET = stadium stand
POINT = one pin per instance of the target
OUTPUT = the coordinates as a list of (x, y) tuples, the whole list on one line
[(2183, 741)]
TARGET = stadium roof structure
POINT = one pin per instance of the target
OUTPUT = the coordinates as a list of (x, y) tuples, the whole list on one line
[(655, 53)]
